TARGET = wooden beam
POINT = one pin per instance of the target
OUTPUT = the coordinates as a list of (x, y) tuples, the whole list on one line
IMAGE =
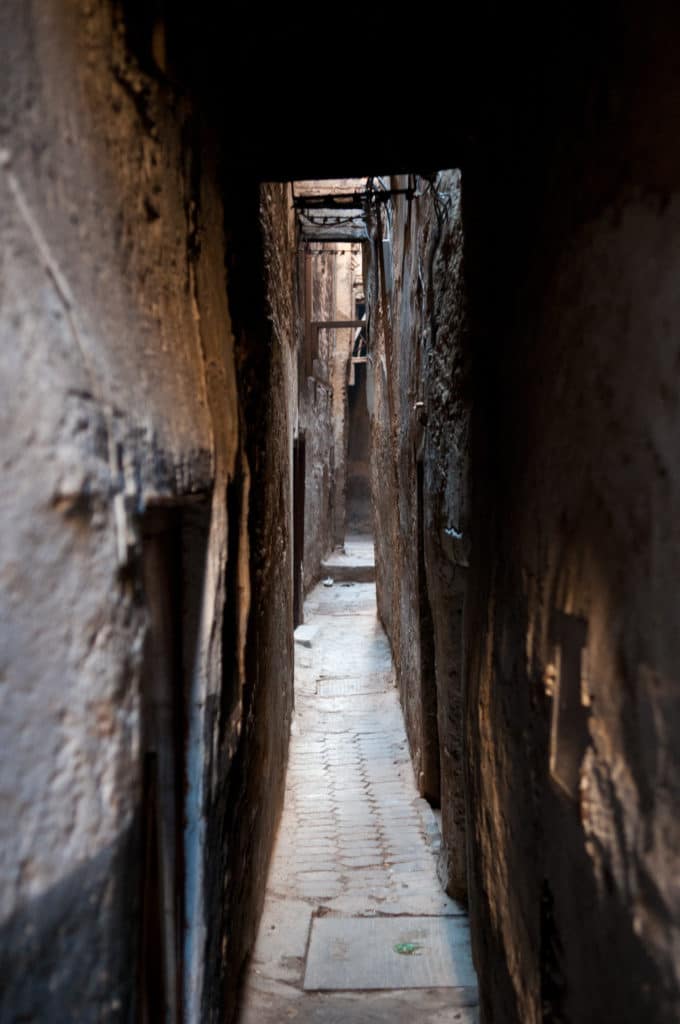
[(334, 233), (324, 205), (312, 217), (337, 323)]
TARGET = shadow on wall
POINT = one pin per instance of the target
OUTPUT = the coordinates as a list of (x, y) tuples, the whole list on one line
[(174, 554), (107, 938), (46, 939)]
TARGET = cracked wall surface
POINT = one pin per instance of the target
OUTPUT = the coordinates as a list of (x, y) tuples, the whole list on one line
[(126, 389), (419, 480)]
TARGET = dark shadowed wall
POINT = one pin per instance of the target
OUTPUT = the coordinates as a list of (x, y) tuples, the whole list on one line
[(145, 567), (573, 698), (419, 478)]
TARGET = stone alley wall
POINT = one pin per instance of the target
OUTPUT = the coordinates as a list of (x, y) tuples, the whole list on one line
[(419, 480), (146, 667), (572, 632), (525, 432), (329, 278), (315, 419)]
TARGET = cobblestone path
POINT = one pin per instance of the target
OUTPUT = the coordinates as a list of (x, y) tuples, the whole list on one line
[(355, 842)]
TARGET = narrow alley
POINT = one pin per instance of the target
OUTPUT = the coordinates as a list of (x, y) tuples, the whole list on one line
[(340, 513), (356, 926)]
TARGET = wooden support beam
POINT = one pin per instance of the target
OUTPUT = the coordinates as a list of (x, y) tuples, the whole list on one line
[(316, 217), (334, 232), (337, 323), (330, 202)]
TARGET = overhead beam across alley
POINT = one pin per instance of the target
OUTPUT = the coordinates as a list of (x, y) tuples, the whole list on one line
[(333, 233), (318, 324)]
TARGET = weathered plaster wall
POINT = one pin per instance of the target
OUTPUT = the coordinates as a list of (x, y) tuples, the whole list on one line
[(348, 287), (575, 557), (419, 475), (124, 390), (333, 270), (316, 420), (249, 775)]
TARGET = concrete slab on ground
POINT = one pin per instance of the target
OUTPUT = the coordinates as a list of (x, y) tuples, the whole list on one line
[(353, 563), (349, 686), (425, 1006), (389, 953), (347, 572), (304, 635)]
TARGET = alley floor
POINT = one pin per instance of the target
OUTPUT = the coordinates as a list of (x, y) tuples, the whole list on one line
[(356, 927)]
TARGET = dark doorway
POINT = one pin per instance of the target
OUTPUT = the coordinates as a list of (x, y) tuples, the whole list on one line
[(173, 566)]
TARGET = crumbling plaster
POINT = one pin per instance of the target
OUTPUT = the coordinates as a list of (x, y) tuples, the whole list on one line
[(123, 390)]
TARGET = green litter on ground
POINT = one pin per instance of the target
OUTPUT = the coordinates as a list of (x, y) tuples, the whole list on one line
[(407, 948)]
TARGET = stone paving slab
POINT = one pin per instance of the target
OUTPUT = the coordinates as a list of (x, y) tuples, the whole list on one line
[(347, 569), (348, 686), (355, 562), (355, 840), (344, 599), (388, 953), (274, 1003), (305, 635)]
